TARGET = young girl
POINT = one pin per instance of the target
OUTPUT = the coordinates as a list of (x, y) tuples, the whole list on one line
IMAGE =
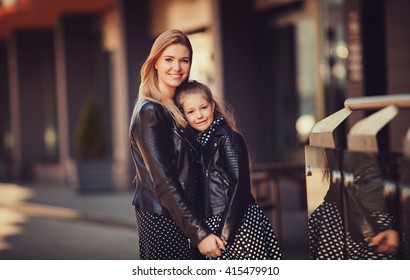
[(227, 202)]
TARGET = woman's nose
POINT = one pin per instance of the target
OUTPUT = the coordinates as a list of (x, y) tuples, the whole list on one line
[(176, 65)]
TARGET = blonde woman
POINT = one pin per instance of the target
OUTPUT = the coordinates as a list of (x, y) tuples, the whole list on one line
[(165, 159)]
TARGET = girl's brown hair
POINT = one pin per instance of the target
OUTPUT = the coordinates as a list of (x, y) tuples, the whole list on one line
[(194, 87)]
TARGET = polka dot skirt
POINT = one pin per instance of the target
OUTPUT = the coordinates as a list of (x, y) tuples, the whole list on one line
[(161, 239), (327, 239), (254, 240)]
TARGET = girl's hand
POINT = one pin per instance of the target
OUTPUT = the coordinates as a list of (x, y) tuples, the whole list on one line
[(211, 246)]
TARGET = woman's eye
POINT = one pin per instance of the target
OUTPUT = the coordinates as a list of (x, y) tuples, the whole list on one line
[(185, 61), (168, 59)]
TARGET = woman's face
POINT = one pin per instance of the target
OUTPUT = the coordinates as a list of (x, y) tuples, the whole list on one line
[(198, 111), (172, 67)]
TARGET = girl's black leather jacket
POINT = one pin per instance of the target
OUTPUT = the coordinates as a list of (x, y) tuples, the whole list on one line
[(165, 163), (227, 186)]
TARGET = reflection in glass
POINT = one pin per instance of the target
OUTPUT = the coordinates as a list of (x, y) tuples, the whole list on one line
[(323, 182), (352, 197), (321, 170), (404, 185), (369, 194)]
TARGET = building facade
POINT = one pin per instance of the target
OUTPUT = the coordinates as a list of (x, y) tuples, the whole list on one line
[(281, 64)]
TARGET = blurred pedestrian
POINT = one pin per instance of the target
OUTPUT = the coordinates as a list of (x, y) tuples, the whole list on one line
[(229, 207), (169, 227)]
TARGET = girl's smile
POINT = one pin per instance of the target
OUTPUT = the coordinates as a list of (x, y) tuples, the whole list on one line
[(198, 111)]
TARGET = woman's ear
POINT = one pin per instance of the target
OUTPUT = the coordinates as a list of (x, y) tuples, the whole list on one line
[(155, 66)]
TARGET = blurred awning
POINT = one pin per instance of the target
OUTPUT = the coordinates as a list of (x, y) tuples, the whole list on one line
[(33, 14)]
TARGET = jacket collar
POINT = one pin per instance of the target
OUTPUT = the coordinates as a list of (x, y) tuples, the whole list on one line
[(204, 136), (186, 134), (222, 129)]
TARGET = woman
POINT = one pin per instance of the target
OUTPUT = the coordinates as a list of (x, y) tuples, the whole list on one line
[(165, 185), (230, 209)]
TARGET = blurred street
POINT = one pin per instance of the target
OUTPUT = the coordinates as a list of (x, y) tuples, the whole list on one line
[(53, 222)]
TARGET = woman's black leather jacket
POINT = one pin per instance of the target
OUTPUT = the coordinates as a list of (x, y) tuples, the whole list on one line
[(227, 186), (165, 163)]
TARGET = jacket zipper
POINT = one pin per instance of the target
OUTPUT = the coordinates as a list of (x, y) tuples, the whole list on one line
[(207, 193)]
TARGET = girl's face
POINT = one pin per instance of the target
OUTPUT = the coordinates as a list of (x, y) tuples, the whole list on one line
[(198, 111), (172, 67)]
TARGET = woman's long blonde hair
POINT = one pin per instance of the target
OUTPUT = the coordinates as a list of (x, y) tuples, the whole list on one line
[(149, 89)]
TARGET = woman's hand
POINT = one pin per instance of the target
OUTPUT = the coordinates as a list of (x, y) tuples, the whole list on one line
[(386, 241), (211, 246)]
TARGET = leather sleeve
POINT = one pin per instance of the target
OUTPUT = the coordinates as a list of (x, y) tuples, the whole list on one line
[(153, 135), (366, 202), (237, 164)]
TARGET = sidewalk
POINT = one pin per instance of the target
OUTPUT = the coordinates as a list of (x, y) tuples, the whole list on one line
[(62, 202), (54, 222), (108, 216)]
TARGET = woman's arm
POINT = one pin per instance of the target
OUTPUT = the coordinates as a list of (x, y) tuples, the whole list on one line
[(153, 136)]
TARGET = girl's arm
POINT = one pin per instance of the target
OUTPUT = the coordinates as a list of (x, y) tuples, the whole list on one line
[(239, 194)]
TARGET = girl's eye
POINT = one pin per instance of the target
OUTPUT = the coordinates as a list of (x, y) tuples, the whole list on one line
[(189, 112), (204, 108), (168, 59), (185, 61)]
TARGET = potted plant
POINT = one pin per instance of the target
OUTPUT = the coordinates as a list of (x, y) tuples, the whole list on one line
[(89, 137), (90, 150)]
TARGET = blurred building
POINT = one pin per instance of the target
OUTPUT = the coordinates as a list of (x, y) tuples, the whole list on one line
[(281, 64)]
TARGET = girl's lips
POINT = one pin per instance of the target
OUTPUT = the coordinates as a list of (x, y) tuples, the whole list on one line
[(201, 122)]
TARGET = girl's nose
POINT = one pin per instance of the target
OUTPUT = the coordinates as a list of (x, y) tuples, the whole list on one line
[(199, 115)]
